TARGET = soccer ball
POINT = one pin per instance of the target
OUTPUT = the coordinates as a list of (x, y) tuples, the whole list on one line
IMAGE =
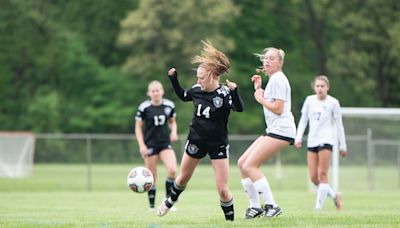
[(140, 179)]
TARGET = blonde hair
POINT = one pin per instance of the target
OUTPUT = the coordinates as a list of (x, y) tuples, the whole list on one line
[(281, 53), (212, 60), (322, 78), (154, 83)]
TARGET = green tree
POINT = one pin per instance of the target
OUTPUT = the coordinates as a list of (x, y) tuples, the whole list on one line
[(366, 56)]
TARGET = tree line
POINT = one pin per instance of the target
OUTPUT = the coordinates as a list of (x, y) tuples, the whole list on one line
[(84, 66)]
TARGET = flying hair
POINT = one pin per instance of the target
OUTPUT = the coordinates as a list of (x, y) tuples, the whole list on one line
[(212, 60), (281, 55)]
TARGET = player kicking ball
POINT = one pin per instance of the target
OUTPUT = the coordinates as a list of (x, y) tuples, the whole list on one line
[(208, 132)]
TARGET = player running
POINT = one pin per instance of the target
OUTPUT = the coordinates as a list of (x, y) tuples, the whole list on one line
[(208, 132), (320, 111)]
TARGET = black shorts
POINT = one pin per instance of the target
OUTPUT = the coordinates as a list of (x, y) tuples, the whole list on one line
[(196, 150), (320, 147), (157, 149), (275, 136)]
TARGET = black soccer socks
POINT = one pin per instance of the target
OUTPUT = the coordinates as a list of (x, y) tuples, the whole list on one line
[(152, 196), (227, 207), (168, 186)]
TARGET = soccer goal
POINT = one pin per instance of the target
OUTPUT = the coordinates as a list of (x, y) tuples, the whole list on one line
[(16, 154), (373, 139)]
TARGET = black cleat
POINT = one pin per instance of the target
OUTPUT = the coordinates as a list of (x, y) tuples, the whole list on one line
[(253, 212), (271, 211)]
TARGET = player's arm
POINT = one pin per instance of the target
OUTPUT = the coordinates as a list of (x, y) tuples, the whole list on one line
[(340, 130), (140, 138), (237, 102), (184, 95), (301, 127), (275, 106), (174, 129)]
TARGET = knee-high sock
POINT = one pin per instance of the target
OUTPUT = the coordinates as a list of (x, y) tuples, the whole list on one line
[(168, 186), (152, 196), (228, 209), (262, 186), (175, 192), (331, 192), (251, 192), (321, 195)]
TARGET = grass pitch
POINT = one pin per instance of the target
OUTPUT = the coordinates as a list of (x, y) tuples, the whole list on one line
[(57, 196)]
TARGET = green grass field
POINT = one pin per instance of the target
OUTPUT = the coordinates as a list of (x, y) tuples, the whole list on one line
[(57, 196)]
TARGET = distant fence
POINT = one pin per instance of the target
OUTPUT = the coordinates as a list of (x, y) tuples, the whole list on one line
[(123, 148)]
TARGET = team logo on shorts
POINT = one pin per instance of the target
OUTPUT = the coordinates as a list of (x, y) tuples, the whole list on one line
[(192, 149), (218, 102), (167, 111)]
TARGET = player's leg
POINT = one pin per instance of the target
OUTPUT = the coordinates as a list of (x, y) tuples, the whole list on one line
[(188, 165), (151, 164), (325, 156), (324, 159), (263, 151), (254, 208), (168, 157), (312, 163), (221, 172)]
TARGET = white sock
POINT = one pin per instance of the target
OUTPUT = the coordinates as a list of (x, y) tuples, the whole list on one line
[(263, 188), (331, 193), (251, 192), (321, 195)]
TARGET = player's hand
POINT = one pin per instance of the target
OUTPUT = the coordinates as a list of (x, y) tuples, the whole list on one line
[(231, 85), (259, 95), (143, 151), (172, 72), (174, 137), (298, 145), (343, 153), (257, 81)]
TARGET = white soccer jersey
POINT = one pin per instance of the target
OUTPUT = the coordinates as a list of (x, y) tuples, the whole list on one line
[(278, 87), (321, 115)]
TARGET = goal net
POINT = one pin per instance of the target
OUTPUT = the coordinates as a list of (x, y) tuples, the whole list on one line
[(16, 154), (373, 144)]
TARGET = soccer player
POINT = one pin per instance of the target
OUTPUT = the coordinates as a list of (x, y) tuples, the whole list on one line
[(158, 116), (280, 133), (208, 133), (320, 111)]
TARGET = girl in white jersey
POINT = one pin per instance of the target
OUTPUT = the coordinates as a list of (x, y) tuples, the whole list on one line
[(280, 132), (321, 112)]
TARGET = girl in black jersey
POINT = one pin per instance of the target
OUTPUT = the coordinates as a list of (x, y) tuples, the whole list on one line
[(157, 114), (208, 133)]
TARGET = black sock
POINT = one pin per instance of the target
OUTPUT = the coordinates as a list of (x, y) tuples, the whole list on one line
[(227, 207), (152, 196), (175, 192), (168, 185)]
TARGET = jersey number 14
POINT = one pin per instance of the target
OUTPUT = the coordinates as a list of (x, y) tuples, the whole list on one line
[(205, 112)]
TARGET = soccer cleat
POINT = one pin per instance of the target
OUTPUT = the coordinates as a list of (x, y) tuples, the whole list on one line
[(173, 208), (152, 209), (271, 211), (338, 201), (253, 212), (164, 207)]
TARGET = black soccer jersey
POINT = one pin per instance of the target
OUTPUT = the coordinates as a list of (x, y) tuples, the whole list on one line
[(155, 118), (211, 112)]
